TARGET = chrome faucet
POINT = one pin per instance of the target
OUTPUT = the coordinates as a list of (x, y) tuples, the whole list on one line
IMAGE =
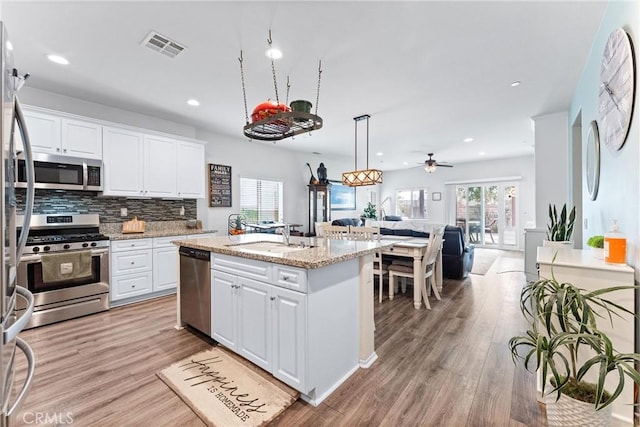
[(286, 233)]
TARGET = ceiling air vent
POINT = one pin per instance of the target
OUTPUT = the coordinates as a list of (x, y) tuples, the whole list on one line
[(159, 43)]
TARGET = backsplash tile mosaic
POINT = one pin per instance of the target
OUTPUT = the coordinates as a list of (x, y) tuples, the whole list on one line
[(59, 201)]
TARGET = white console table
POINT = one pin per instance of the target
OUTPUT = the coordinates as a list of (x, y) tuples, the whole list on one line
[(579, 267)]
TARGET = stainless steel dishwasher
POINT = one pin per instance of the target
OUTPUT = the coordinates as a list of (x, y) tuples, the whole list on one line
[(195, 288)]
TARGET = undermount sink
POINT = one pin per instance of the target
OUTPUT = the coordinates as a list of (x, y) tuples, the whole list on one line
[(272, 247)]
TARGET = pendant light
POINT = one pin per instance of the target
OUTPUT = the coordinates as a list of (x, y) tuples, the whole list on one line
[(359, 178)]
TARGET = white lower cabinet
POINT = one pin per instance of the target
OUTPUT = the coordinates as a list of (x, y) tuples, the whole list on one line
[(144, 268), (264, 323)]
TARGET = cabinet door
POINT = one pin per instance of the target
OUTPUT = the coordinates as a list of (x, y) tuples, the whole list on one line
[(254, 309), (191, 170), (165, 268), (160, 167), (123, 162), (44, 132), (81, 139), (289, 329), (223, 309), (131, 285)]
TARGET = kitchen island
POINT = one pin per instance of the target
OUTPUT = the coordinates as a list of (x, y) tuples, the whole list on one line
[(302, 311)]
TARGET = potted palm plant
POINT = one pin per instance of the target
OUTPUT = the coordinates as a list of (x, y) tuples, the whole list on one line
[(563, 342), (560, 227), (370, 212)]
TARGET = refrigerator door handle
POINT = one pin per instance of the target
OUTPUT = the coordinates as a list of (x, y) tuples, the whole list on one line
[(12, 331), (28, 157), (28, 352)]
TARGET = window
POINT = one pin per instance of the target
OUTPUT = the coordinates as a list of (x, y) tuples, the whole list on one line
[(261, 200), (412, 203)]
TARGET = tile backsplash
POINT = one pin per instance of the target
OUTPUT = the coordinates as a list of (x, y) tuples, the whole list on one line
[(66, 201)]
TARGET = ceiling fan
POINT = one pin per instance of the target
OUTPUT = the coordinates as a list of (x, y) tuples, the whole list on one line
[(430, 164)]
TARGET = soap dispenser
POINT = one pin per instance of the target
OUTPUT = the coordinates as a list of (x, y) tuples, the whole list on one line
[(615, 245)]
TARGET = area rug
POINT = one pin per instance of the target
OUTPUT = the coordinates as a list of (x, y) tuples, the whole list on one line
[(484, 258), (224, 392)]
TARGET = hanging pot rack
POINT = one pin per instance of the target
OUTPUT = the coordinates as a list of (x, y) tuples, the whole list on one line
[(283, 124)]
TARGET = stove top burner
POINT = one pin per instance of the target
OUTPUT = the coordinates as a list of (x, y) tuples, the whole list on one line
[(65, 238)]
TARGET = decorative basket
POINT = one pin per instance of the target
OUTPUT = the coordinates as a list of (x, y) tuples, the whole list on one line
[(133, 226), (569, 412)]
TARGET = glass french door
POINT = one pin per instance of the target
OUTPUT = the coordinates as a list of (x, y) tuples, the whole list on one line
[(488, 213)]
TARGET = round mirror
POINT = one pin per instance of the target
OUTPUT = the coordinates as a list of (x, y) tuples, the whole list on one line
[(593, 160)]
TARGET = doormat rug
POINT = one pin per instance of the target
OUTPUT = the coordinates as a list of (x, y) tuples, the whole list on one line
[(224, 392), (484, 258)]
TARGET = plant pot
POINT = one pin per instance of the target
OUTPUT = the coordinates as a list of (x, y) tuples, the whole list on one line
[(567, 244), (571, 412), (300, 105), (598, 253)]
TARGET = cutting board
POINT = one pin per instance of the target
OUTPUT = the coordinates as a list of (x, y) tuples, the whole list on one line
[(133, 226)]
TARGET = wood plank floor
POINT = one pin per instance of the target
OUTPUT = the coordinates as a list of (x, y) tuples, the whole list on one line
[(446, 367)]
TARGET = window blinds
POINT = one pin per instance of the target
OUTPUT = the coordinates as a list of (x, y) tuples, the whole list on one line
[(261, 200)]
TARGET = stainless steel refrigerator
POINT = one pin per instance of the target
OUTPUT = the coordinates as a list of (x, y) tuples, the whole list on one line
[(15, 139)]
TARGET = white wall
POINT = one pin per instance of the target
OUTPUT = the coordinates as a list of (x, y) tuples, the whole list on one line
[(551, 160), (619, 178), (484, 170)]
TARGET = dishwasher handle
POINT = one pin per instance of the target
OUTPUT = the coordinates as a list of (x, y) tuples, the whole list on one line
[(194, 253)]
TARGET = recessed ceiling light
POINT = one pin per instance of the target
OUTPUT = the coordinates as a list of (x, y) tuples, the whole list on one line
[(405, 163), (273, 53), (516, 83), (468, 139), (193, 102), (379, 153), (482, 153), (58, 59)]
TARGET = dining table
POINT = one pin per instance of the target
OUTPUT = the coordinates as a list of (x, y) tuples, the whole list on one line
[(414, 248)]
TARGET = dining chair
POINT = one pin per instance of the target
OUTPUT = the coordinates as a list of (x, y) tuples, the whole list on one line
[(379, 269), (429, 258), (335, 231), (319, 228)]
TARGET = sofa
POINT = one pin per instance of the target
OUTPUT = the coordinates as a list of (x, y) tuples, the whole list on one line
[(353, 222), (457, 256)]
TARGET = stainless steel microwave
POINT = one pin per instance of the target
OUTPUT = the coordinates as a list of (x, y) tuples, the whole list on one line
[(62, 173)]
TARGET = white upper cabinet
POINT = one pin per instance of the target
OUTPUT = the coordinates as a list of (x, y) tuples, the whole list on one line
[(191, 170), (160, 178), (51, 134), (44, 132), (139, 165), (123, 159), (81, 139)]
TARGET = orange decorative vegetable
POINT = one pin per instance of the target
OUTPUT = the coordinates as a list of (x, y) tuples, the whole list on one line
[(268, 109)]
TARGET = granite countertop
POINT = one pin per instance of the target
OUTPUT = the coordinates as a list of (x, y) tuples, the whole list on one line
[(152, 229), (322, 253), (157, 233)]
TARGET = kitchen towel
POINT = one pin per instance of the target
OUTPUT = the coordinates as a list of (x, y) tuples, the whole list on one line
[(66, 265)]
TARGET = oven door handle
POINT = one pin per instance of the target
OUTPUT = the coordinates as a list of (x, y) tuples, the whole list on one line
[(31, 360), (28, 161), (12, 331)]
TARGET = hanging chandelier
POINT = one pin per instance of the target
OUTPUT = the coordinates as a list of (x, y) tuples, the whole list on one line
[(359, 178), (272, 120)]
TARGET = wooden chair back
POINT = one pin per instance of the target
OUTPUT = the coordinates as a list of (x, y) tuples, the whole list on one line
[(364, 233), (319, 228), (335, 231)]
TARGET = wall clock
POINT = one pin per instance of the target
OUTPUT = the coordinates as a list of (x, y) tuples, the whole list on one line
[(592, 167), (617, 85)]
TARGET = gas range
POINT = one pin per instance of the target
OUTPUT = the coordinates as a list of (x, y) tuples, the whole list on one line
[(65, 232)]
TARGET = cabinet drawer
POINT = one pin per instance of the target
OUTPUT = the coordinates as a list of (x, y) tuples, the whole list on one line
[(250, 268), (131, 285), (290, 278), (129, 244), (398, 250), (165, 242), (131, 262)]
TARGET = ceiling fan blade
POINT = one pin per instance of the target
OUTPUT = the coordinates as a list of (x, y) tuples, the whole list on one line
[(443, 165)]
